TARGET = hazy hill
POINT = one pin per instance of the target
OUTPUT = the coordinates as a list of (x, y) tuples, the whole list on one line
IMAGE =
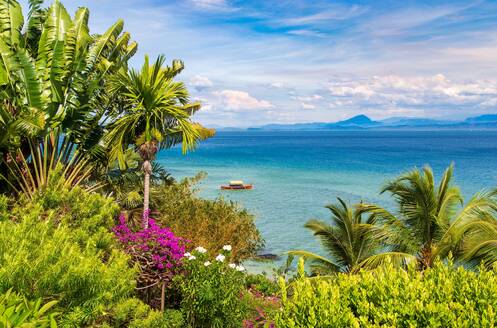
[(488, 121)]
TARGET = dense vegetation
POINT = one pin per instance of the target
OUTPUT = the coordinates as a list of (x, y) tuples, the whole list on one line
[(95, 233), (441, 296)]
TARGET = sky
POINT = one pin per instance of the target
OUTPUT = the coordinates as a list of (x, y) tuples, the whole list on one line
[(257, 62)]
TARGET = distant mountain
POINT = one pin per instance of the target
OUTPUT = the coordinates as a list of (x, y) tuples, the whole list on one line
[(488, 121), (359, 121), (407, 121), (489, 118), (224, 128)]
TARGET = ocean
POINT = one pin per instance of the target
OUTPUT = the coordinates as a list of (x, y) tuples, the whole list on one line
[(295, 173)]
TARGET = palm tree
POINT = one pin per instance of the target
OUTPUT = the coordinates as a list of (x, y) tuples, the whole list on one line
[(348, 239), (479, 245), (431, 221), (156, 115)]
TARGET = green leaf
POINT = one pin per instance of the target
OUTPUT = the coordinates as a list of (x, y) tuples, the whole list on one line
[(11, 21), (29, 77)]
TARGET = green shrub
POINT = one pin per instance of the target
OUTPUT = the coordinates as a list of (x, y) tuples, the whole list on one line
[(134, 313), (65, 250), (4, 203), (46, 262), (17, 311), (262, 284), (442, 296), (212, 291), (210, 223)]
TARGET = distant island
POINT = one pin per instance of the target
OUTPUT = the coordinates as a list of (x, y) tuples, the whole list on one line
[(488, 121)]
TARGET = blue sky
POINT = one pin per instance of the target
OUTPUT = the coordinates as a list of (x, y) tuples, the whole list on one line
[(257, 62)]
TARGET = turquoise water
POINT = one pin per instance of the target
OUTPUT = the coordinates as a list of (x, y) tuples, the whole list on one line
[(296, 174)]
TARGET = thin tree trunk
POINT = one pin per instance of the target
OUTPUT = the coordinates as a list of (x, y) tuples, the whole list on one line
[(147, 170), (163, 296)]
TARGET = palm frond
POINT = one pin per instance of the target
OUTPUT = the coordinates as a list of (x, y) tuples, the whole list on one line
[(397, 259), (319, 265)]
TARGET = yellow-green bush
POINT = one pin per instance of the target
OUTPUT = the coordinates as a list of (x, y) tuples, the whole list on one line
[(17, 311), (54, 247), (442, 296), (58, 246), (134, 313)]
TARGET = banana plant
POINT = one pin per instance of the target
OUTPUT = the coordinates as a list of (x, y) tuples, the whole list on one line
[(53, 78)]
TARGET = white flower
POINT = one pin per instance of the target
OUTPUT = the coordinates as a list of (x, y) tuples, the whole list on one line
[(220, 258), (227, 247), (192, 257), (207, 263), (232, 265), (187, 255), (240, 268), (200, 249)]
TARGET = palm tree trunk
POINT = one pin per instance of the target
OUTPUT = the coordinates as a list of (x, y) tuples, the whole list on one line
[(163, 296), (147, 170)]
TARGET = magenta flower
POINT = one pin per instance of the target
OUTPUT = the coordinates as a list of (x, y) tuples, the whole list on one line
[(159, 245)]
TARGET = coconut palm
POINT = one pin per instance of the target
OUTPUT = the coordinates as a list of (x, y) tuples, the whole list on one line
[(479, 245), (156, 115), (430, 222), (348, 240)]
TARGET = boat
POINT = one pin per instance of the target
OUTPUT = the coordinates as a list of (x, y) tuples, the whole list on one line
[(237, 185)]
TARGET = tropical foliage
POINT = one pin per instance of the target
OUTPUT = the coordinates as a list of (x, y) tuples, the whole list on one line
[(65, 251), (67, 256), (443, 295), (431, 222), (156, 115), (17, 311), (52, 79), (68, 99), (348, 239)]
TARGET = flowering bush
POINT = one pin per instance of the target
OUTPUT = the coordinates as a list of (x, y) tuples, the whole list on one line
[(212, 289), (210, 223), (157, 250)]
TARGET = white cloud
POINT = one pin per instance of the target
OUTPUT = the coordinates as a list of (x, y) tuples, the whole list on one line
[(393, 90), (305, 32), (240, 100), (398, 21), (219, 5), (312, 98), (277, 85), (336, 13), (241, 50), (307, 106), (200, 82)]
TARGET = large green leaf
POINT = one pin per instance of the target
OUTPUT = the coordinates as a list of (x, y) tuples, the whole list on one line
[(29, 77), (11, 21), (57, 24), (8, 63), (34, 25), (102, 43), (77, 40)]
